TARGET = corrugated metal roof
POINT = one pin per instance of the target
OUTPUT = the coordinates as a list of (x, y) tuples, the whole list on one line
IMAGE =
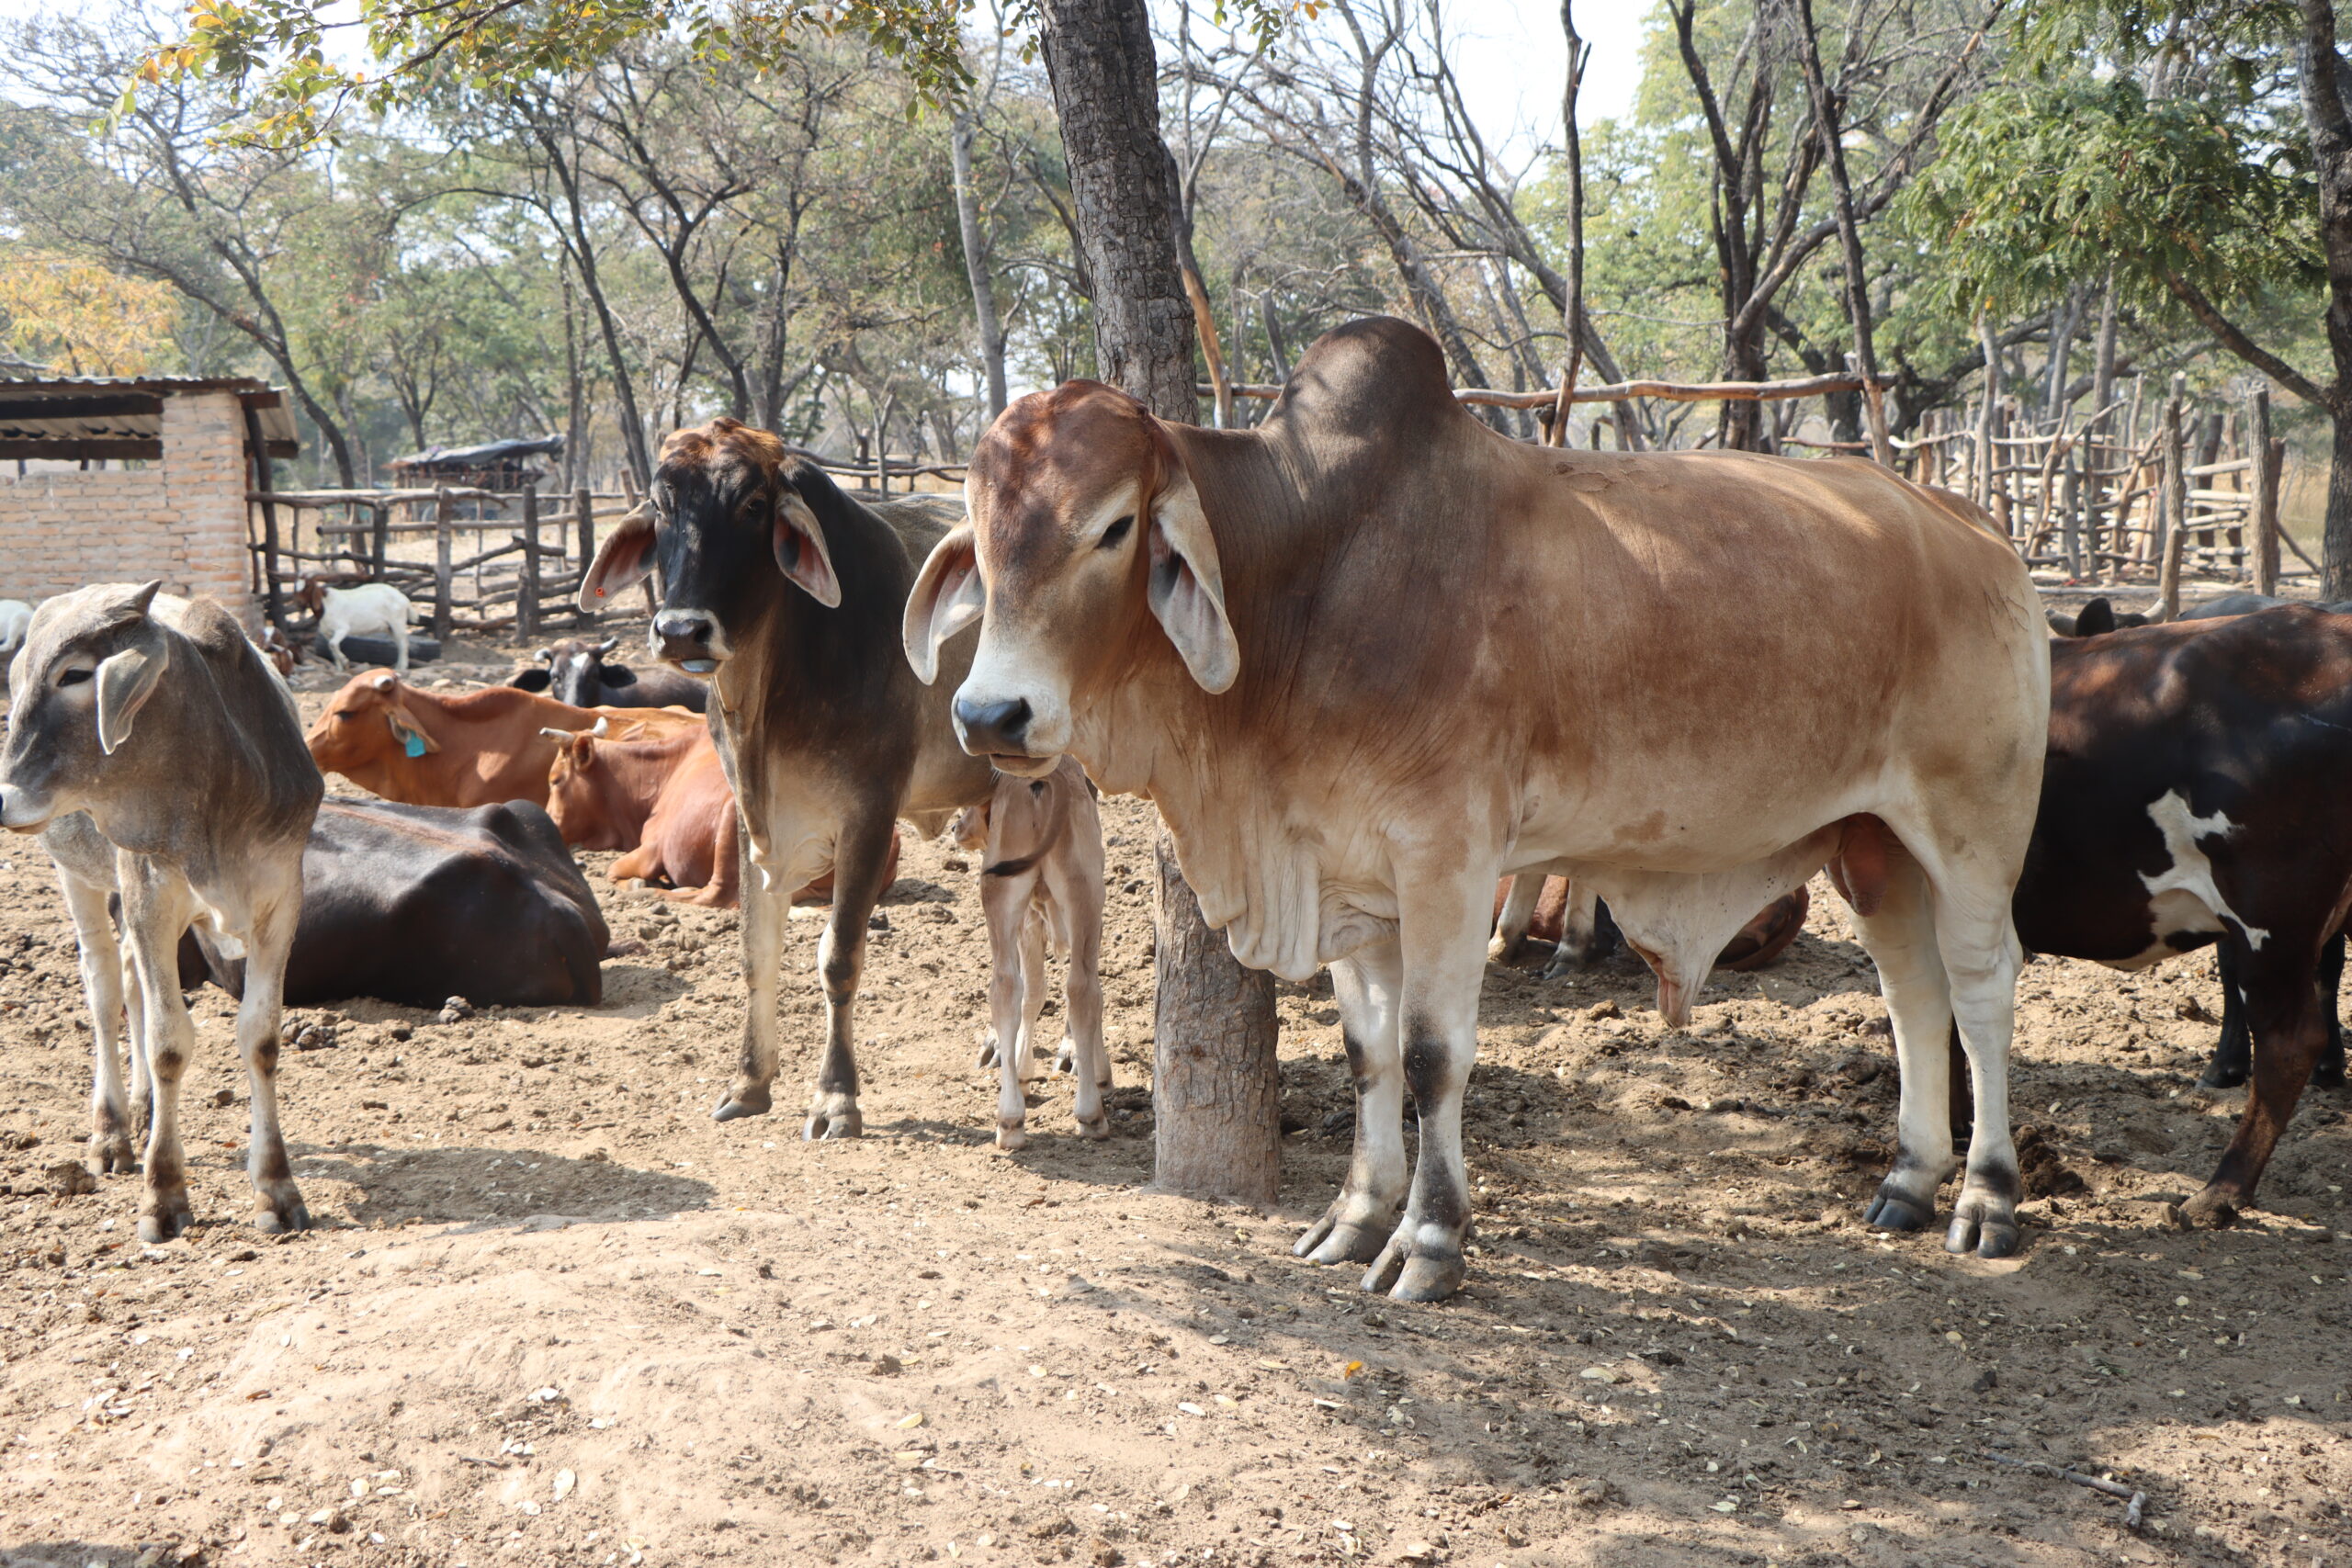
[(122, 416), (486, 454)]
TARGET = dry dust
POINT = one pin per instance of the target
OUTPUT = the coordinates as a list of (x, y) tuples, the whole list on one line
[(554, 1315)]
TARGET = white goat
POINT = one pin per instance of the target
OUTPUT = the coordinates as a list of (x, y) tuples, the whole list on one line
[(372, 609)]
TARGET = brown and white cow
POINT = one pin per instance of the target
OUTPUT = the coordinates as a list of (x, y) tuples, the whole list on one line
[(787, 594), (463, 749), (1040, 842), (1370, 656), (161, 758)]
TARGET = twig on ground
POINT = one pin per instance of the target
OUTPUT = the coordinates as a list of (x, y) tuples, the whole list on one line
[(2135, 1505)]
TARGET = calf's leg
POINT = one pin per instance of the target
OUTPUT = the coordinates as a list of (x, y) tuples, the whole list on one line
[(1004, 901), (1361, 1217), (1080, 897), (1509, 943)]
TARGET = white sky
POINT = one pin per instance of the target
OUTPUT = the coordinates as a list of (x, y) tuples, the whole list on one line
[(1512, 58)]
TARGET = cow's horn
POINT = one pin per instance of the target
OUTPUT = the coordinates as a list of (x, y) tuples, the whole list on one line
[(386, 681), (558, 736), (609, 644), (602, 726), (545, 655)]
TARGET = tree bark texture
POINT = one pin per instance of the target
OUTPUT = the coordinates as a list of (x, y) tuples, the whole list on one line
[(2322, 68), (975, 261), (1216, 1076)]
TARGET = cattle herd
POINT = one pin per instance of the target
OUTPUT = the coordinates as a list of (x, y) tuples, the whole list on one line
[(1383, 672)]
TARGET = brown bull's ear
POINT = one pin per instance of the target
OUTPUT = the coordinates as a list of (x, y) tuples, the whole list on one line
[(947, 597), (126, 680), (800, 551), (1187, 587), (625, 559)]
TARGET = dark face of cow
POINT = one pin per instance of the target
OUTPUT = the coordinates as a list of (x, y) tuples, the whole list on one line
[(1085, 530), (723, 517), (90, 661), (576, 673)]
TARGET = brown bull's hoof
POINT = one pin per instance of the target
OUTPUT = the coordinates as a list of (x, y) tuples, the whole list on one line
[(1767, 936), (2210, 1209)]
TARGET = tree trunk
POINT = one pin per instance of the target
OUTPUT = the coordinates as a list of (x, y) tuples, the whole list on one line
[(1827, 119), (1216, 1076), (2321, 66), (975, 261)]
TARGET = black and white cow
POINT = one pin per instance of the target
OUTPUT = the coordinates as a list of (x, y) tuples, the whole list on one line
[(2192, 794), (576, 672)]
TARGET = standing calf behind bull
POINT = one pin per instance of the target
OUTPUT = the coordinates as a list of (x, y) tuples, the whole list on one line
[(788, 595), (160, 721), (1370, 656)]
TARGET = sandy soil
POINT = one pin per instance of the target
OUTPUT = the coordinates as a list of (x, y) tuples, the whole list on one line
[(553, 1314)]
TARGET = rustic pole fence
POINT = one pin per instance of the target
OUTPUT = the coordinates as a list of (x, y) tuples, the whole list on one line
[(527, 600), (443, 584)]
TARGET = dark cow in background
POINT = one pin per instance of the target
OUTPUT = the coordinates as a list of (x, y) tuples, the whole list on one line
[(416, 904), (788, 595), (2194, 793), (576, 672), (161, 758)]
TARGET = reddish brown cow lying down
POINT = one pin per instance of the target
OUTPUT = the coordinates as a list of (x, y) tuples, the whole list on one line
[(1041, 881), (664, 798), (1549, 910)]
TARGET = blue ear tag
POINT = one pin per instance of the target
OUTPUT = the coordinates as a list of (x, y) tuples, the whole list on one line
[(413, 743)]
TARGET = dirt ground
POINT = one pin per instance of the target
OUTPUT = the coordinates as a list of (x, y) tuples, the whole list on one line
[(552, 1313)]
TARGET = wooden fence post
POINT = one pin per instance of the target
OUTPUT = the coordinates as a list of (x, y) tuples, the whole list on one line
[(444, 516), (526, 589), (1988, 416), (2172, 514), (585, 504), (381, 514), (273, 602), (2267, 464)]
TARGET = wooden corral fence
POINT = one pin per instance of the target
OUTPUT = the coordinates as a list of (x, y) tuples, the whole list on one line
[(525, 551), (2097, 494)]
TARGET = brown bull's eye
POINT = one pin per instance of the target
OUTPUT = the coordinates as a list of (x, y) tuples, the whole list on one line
[(1115, 532)]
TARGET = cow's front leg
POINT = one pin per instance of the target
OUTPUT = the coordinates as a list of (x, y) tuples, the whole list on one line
[(861, 859), (765, 900), (1363, 1214), (113, 1114), (1439, 1022), (155, 908), (279, 1207)]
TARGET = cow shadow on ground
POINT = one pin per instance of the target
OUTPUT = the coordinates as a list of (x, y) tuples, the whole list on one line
[(484, 1184)]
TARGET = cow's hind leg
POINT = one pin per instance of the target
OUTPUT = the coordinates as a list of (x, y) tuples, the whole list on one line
[(861, 857), (2328, 1072), (1981, 960), (1509, 943), (2282, 1001), (1586, 932), (1080, 898), (1900, 936), (1363, 1215), (113, 1114), (278, 1206)]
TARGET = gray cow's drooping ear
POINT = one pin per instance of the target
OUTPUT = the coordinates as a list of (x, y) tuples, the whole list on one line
[(126, 680), (801, 550), (1186, 590), (947, 597), (624, 561)]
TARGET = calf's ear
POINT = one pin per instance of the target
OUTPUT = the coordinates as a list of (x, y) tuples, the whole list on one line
[(126, 680), (625, 559), (1186, 590), (947, 597), (801, 550)]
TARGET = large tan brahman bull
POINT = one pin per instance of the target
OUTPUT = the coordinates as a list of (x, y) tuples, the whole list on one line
[(1370, 655)]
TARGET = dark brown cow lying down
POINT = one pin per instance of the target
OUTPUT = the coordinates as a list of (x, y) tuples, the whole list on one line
[(416, 904)]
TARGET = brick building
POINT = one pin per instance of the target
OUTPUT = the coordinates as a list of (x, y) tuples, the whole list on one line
[(120, 479)]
